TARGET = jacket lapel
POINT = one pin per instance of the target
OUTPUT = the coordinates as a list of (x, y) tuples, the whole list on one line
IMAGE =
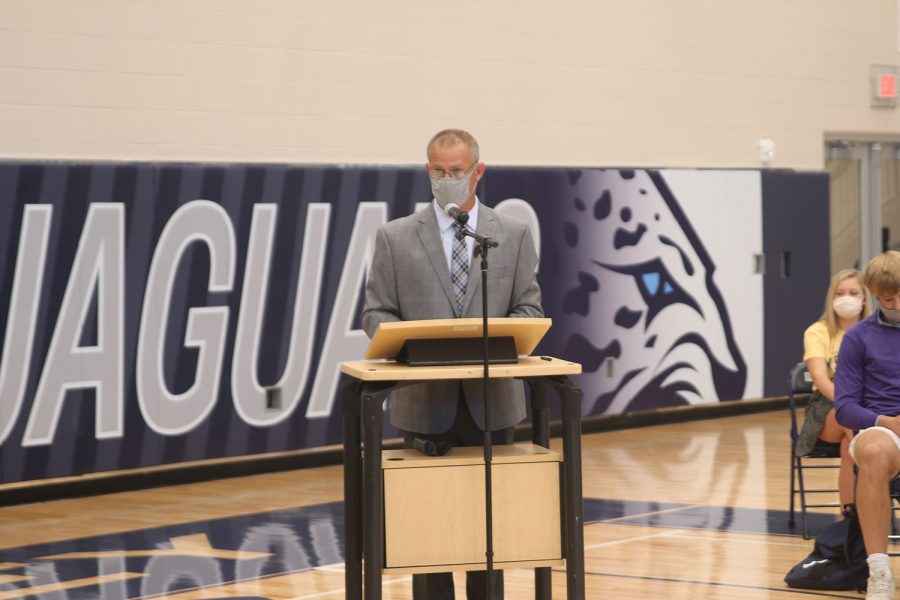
[(430, 238), (487, 227)]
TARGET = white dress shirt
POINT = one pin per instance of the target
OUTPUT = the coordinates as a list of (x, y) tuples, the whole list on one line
[(448, 232)]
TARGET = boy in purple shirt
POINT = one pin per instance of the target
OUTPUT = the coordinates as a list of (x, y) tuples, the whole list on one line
[(867, 398)]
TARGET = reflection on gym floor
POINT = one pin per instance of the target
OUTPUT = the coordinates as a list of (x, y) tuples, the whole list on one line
[(692, 510)]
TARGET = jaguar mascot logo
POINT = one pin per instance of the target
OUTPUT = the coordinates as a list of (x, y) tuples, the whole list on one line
[(641, 307)]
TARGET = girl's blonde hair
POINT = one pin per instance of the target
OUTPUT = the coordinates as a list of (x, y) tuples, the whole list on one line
[(828, 315)]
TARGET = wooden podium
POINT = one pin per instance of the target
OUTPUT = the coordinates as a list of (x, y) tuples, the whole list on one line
[(377, 483), (443, 497)]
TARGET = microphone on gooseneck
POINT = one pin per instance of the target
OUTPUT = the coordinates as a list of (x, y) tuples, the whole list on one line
[(456, 214)]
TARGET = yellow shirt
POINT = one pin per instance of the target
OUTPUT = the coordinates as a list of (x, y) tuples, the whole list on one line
[(817, 343)]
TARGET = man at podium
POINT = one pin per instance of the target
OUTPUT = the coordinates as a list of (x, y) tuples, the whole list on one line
[(422, 268)]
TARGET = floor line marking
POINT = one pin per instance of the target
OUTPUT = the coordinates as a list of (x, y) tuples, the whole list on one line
[(686, 533), (647, 514), (637, 538), (701, 528), (797, 544), (332, 568)]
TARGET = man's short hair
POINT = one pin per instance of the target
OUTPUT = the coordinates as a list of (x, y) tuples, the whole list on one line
[(451, 137), (882, 276)]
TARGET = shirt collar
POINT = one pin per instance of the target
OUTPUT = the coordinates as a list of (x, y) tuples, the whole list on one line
[(878, 316), (445, 222)]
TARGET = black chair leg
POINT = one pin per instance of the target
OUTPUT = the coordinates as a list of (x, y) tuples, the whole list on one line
[(793, 493), (802, 490)]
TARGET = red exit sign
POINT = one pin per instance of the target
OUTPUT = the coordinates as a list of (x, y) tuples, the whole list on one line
[(883, 85), (887, 86)]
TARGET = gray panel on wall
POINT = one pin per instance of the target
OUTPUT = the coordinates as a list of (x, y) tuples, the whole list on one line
[(796, 245)]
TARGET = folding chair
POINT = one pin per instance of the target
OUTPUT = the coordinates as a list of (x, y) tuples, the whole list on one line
[(894, 537), (821, 457)]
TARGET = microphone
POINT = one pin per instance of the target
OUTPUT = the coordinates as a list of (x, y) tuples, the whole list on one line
[(455, 213)]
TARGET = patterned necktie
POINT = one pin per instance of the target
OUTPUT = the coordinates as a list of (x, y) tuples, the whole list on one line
[(459, 272)]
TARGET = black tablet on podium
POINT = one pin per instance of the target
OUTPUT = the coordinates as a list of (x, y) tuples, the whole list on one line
[(437, 342)]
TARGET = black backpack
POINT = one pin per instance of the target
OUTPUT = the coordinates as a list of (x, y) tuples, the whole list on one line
[(838, 559)]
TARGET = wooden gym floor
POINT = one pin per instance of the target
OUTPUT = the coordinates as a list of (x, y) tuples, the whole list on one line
[(684, 511)]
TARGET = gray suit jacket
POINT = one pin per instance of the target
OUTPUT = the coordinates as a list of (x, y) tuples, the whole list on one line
[(410, 280)]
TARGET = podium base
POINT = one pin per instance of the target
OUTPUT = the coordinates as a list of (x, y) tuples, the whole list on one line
[(527, 522), (457, 351)]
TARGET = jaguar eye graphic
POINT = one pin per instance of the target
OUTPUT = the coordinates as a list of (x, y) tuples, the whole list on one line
[(656, 286), (651, 283)]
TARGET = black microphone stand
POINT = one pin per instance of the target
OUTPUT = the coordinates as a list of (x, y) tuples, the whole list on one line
[(481, 249)]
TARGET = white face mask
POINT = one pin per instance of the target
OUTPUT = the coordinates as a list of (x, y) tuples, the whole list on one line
[(450, 191), (847, 306)]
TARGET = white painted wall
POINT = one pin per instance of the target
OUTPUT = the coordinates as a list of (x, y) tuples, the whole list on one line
[(692, 83)]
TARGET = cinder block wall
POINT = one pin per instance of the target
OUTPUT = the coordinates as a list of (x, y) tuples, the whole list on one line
[(694, 83)]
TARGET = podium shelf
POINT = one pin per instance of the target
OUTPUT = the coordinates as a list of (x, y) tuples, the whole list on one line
[(408, 458), (477, 566), (528, 366)]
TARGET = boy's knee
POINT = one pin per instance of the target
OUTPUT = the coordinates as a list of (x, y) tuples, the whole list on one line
[(877, 454)]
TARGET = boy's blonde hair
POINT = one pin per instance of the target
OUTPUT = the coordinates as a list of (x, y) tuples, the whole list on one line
[(882, 276)]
